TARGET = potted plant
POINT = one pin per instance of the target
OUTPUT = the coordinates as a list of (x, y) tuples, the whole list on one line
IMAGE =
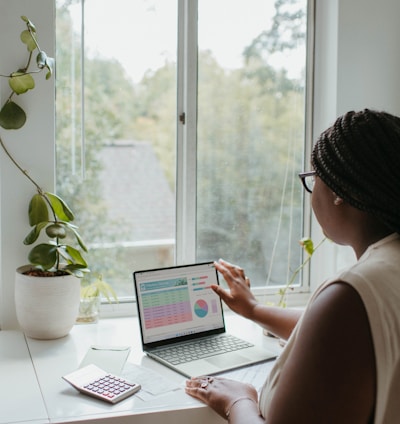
[(91, 294), (47, 291)]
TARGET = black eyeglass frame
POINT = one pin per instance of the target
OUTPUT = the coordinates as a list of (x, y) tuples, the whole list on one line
[(303, 176)]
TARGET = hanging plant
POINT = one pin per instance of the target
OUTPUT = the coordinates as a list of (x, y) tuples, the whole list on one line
[(48, 213)]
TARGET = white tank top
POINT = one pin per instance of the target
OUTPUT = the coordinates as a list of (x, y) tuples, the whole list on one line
[(376, 278)]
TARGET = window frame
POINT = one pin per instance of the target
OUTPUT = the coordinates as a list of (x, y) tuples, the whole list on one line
[(187, 144), (186, 168), (186, 151)]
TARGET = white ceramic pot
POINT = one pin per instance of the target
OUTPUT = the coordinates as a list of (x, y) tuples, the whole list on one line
[(46, 307)]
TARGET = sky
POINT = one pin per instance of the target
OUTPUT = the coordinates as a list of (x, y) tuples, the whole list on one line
[(141, 35)]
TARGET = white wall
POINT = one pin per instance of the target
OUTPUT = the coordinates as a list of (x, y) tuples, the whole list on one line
[(369, 55), (32, 146), (357, 66), (357, 58)]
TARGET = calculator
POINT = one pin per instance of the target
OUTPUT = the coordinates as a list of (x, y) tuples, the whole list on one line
[(93, 381)]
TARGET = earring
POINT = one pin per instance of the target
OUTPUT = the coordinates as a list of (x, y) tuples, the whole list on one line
[(338, 201)]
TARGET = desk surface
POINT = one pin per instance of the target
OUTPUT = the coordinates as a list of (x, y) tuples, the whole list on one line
[(19, 402), (46, 398)]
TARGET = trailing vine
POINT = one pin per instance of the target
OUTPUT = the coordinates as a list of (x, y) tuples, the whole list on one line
[(47, 211)]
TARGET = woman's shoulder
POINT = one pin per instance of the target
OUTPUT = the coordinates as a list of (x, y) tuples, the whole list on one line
[(334, 304), (378, 267)]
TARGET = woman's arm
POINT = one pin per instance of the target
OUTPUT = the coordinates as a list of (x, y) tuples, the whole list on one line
[(239, 298), (278, 321), (329, 376)]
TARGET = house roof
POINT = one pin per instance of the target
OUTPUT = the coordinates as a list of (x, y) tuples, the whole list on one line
[(136, 191)]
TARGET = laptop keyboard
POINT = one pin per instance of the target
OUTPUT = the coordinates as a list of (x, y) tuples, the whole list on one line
[(200, 349)]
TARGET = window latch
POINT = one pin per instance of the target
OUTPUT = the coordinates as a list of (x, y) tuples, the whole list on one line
[(182, 118)]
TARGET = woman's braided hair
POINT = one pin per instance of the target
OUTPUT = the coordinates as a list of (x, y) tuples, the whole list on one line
[(358, 158)]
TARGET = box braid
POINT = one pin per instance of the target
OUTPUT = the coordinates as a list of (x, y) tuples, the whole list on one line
[(358, 158)]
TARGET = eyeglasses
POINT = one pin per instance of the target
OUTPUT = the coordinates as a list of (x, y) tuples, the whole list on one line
[(308, 180)]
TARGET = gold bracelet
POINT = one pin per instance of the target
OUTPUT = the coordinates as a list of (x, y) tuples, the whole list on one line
[(228, 411)]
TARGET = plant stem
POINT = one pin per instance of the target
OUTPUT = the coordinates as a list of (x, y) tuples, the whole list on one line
[(33, 37), (40, 191), (25, 70), (295, 273), (24, 172)]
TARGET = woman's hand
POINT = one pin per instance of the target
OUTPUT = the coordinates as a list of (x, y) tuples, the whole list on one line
[(224, 395), (239, 298)]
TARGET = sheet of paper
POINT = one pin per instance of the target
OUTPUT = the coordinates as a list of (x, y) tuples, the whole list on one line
[(110, 358), (254, 375), (153, 384)]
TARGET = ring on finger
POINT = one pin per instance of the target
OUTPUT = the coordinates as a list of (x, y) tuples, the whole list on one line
[(206, 382)]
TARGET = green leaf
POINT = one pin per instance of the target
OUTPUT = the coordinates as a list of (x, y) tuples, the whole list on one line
[(76, 270), (72, 256), (307, 245), (34, 233), (44, 61), (78, 238), (56, 231), (44, 255), (99, 287), (89, 291), (76, 264), (38, 211), (26, 38), (41, 59), (29, 23), (50, 63), (61, 209), (21, 82), (12, 117)]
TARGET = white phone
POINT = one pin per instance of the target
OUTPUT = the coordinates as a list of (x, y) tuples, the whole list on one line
[(93, 381)]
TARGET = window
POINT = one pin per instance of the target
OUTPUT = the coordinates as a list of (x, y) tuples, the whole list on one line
[(180, 132)]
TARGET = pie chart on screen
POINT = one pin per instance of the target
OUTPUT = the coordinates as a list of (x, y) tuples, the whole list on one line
[(201, 308)]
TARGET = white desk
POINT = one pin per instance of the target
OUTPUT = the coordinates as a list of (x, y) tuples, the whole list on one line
[(20, 397), (46, 398)]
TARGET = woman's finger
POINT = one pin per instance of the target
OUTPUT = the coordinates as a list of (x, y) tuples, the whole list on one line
[(198, 386), (230, 271)]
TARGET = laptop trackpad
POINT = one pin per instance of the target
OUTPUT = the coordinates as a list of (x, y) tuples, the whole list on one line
[(227, 360)]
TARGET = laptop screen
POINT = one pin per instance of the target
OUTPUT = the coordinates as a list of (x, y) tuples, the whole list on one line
[(178, 302)]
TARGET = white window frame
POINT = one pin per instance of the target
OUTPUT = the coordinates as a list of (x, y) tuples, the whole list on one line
[(187, 143), (186, 177), (186, 172)]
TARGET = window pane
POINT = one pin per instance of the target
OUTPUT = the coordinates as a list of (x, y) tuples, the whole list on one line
[(116, 132), (251, 119), (116, 161)]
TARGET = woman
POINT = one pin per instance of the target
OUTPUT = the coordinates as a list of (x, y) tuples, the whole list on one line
[(341, 362)]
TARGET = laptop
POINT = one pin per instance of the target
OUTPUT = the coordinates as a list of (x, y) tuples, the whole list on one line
[(179, 311)]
